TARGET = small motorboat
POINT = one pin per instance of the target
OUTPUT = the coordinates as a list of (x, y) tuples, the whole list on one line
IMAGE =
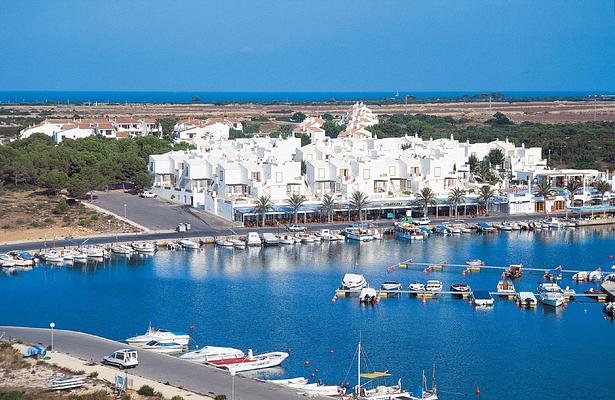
[(160, 335), (212, 353), (505, 226), (251, 362), (188, 244), (391, 286), (433, 286), (92, 251), (269, 239), (416, 287), (485, 227), (482, 298), (224, 243), (554, 223), (144, 247), (53, 257), (460, 289), (287, 239), (316, 389), (252, 239), (368, 296), (353, 282), (475, 262), (239, 244), (514, 271), (442, 230), (568, 293), (358, 233), (163, 347), (595, 293), (526, 299), (550, 294), (122, 249), (67, 382), (506, 288), (306, 237), (596, 276), (609, 278), (581, 276), (174, 246)]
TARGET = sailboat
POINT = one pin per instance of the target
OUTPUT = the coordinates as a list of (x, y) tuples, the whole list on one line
[(379, 392), (427, 394)]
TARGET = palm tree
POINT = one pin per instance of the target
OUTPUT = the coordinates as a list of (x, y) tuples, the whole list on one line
[(544, 189), (328, 206), (263, 204), (296, 201), (457, 196), (358, 201), (426, 197), (572, 186), (602, 187), (485, 195)]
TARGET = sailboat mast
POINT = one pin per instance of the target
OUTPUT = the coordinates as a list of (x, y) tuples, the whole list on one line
[(359, 368)]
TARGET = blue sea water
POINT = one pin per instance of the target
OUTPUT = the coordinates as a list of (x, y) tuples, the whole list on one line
[(21, 96), (279, 298)]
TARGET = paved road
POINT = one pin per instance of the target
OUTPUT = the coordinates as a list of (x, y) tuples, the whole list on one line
[(158, 214), (216, 231), (158, 367)]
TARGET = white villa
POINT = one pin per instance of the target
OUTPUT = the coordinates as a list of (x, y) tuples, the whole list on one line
[(193, 130), (112, 128), (226, 177)]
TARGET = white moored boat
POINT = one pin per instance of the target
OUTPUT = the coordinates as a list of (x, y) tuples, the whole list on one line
[(224, 242), (433, 286), (53, 257), (163, 347), (357, 233), (581, 276), (303, 387), (122, 249), (188, 244), (354, 282), (287, 239), (506, 288), (416, 287), (251, 362), (144, 247), (212, 353), (92, 251), (550, 294), (270, 239), (368, 296), (391, 286), (161, 335), (253, 239)]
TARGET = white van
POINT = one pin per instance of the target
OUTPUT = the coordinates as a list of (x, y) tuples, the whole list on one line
[(125, 358)]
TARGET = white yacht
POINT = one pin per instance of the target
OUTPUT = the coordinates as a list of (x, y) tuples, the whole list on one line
[(53, 257), (144, 247), (212, 353), (161, 335), (253, 239), (354, 282), (270, 239), (550, 294), (16, 258)]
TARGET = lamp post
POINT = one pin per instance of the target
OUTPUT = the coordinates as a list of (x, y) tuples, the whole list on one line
[(125, 205), (232, 385), (52, 325)]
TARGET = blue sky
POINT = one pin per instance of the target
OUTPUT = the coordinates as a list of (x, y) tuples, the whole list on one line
[(333, 45)]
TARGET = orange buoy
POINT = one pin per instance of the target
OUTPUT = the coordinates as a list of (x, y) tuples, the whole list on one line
[(477, 391), (191, 327), (313, 375), (306, 362)]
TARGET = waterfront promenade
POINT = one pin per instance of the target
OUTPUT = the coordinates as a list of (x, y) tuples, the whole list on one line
[(158, 367)]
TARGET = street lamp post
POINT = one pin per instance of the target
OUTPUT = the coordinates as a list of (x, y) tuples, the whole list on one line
[(232, 385), (125, 205), (52, 325)]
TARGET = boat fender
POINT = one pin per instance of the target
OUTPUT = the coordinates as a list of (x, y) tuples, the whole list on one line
[(424, 301), (313, 375), (611, 257), (334, 299)]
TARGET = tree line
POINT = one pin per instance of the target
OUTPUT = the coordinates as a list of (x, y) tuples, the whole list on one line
[(79, 166)]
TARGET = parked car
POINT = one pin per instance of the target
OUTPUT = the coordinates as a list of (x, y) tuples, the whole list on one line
[(295, 228), (125, 358), (146, 194), (423, 221)]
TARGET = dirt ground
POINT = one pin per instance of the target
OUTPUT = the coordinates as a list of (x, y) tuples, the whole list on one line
[(28, 215), (534, 111)]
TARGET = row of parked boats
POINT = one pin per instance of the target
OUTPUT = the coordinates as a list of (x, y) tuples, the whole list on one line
[(548, 293)]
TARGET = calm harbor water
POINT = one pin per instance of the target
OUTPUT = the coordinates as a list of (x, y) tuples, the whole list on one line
[(279, 298)]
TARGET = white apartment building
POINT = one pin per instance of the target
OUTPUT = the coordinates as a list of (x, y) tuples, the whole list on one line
[(112, 128), (193, 130)]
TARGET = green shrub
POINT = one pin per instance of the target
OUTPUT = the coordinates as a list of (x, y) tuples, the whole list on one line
[(20, 222), (10, 396), (146, 391), (48, 220), (94, 217), (93, 375), (126, 396), (6, 226), (220, 397), (35, 224), (177, 398), (61, 207), (82, 222)]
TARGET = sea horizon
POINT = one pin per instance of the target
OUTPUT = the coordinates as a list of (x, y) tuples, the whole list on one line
[(174, 97)]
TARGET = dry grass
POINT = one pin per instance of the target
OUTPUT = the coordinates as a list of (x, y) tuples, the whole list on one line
[(26, 215)]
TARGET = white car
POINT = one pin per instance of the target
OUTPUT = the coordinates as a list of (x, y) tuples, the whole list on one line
[(295, 228), (148, 195), (423, 221), (125, 358)]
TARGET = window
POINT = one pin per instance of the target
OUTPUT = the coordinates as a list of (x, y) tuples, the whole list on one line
[(437, 171), (392, 171), (366, 174), (256, 176), (278, 177), (321, 173), (530, 159)]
